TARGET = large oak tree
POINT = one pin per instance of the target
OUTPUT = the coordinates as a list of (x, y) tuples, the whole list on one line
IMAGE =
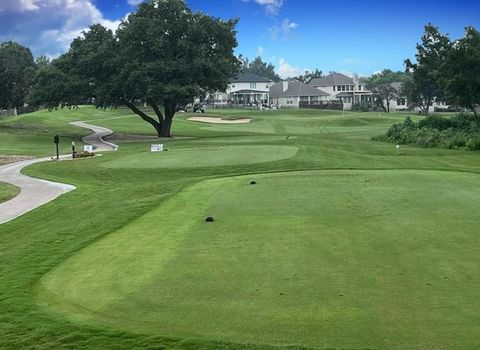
[(162, 55)]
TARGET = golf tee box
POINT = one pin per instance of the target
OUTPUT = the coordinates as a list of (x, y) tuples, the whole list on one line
[(157, 148)]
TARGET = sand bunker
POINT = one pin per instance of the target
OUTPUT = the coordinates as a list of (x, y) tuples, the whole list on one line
[(212, 120)]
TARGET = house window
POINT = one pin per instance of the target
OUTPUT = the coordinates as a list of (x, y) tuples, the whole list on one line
[(401, 102), (253, 85), (333, 87), (360, 87), (339, 88), (343, 88)]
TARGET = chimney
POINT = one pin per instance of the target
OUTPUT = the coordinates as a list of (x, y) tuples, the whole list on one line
[(285, 85)]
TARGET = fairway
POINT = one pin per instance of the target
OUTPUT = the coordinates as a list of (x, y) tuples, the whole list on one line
[(341, 244), (283, 264)]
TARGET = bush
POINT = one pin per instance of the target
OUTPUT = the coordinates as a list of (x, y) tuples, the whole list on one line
[(459, 132)]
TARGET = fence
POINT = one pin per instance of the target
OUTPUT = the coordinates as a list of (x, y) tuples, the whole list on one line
[(322, 105)]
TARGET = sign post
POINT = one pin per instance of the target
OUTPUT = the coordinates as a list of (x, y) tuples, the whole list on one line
[(56, 141), (398, 150)]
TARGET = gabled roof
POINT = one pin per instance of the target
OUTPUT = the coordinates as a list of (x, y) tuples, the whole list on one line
[(295, 89), (331, 80), (250, 78)]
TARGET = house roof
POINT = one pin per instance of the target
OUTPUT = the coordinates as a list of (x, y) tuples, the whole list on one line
[(295, 89), (247, 77), (331, 80)]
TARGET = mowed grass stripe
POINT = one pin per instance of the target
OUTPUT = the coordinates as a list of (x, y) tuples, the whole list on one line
[(319, 257)]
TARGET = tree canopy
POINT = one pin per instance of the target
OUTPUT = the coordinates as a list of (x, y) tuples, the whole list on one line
[(309, 75), (259, 67), (16, 69), (383, 88), (461, 71), (424, 87), (162, 55)]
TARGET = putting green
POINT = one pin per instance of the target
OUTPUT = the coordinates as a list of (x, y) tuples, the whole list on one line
[(204, 157), (339, 258)]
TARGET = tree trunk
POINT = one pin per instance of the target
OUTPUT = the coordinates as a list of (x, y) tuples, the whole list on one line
[(474, 110), (167, 123)]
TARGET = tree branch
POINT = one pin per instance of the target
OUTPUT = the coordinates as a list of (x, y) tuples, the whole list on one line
[(144, 116), (157, 111)]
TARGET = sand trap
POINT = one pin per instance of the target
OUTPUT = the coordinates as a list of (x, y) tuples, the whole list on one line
[(212, 120)]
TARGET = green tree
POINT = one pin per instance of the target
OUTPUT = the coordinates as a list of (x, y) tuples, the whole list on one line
[(461, 71), (424, 87), (309, 75), (257, 66), (16, 68), (48, 88), (382, 87), (162, 55)]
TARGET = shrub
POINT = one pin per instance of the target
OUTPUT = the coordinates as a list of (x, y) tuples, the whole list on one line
[(459, 132)]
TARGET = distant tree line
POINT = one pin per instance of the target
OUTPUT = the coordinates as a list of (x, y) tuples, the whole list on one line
[(163, 55), (444, 71)]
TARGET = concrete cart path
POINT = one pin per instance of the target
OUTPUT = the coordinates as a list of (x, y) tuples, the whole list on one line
[(36, 192), (96, 139)]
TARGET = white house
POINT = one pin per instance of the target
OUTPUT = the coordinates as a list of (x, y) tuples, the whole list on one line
[(246, 88), (292, 93), (343, 88)]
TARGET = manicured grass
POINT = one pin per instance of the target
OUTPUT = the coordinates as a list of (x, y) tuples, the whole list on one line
[(204, 157), (7, 192), (282, 264), (342, 244)]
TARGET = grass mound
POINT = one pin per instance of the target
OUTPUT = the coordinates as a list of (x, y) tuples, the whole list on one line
[(315, 257)]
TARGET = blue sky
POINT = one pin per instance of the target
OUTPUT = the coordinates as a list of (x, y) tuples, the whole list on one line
[(361, 36)]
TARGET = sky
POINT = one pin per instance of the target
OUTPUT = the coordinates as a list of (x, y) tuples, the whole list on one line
[(359, 36)]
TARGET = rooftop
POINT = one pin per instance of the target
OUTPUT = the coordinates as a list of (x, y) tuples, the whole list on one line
[(331, 80), (295, 88)]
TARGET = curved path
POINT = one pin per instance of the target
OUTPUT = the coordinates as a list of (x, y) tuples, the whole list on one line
[(36, 192)]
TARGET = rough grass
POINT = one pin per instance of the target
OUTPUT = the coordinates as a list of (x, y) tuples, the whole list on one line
[(409, 285)]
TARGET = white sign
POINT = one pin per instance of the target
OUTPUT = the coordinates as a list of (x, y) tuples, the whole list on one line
[(157, 148), (88, 148)]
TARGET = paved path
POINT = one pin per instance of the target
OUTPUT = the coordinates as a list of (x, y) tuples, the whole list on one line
[(96, 139), (36, 192)]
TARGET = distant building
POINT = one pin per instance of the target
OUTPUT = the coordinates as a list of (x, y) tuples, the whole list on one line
[(343, 89), (293, 93), (245, 89)]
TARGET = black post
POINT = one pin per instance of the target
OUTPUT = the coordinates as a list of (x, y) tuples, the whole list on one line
[(56, 140), (74, 154)]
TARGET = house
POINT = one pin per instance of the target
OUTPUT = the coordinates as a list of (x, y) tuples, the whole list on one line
[(343, 89), (245, 89), (292, 93)]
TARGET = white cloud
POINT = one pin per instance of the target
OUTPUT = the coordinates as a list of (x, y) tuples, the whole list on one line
[(285, 70), (283, 31), (272, 7), (134, 2), (260, 51), (49, 26)]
